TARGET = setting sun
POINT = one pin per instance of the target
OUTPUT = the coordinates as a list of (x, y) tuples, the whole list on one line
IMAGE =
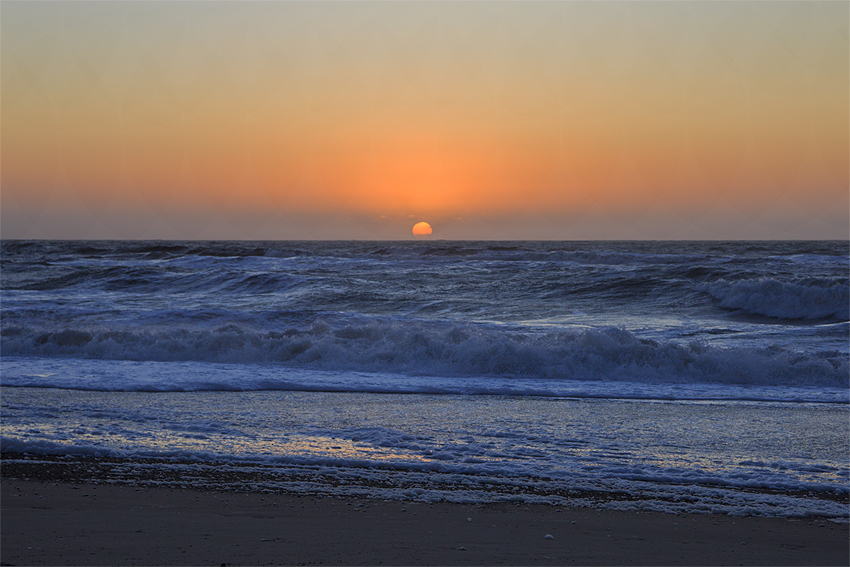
[(422, 230)]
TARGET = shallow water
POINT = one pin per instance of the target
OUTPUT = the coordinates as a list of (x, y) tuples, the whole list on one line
[(566, 444)]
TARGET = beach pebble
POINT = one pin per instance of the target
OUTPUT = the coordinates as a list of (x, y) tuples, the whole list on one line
[(549, 536)]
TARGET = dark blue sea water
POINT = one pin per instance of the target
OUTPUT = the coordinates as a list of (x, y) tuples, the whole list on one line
[(698, 363)]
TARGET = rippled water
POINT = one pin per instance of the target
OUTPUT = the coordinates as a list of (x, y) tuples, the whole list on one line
[(692, 376)]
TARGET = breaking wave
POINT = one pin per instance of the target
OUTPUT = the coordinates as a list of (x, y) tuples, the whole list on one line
[(446, 350)]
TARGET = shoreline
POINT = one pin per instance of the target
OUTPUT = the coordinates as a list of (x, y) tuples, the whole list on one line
[(94, 520), (385, 483)]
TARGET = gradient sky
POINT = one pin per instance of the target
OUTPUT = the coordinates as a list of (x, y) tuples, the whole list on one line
[(489, 120)]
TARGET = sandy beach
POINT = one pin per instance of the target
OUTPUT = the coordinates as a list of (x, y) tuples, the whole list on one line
[(62, 523)]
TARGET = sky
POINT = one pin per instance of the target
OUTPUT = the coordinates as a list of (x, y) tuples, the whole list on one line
[(488, 120)]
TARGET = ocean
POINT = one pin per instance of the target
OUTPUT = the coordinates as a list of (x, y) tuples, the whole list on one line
[(672, 376)]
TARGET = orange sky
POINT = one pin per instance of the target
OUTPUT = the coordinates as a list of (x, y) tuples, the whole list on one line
[(497, 120)]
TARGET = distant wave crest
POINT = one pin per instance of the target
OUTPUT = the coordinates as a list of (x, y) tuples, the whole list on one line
[(802, 299)]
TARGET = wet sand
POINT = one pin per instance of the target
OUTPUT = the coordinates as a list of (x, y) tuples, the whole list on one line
[(63, 523)]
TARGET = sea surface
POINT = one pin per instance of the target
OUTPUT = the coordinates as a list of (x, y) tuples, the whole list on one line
[(675, 376)]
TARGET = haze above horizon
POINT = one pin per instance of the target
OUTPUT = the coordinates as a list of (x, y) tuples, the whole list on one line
[(490, 120)]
